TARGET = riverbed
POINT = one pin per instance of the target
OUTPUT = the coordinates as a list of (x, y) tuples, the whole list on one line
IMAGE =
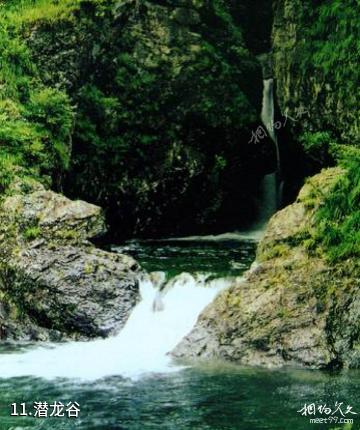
[(129, 382)]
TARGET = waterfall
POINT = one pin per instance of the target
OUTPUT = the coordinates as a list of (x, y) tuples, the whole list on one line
[(268, 115), (271, 188), (141, 347), (268, 109), (268, 198)]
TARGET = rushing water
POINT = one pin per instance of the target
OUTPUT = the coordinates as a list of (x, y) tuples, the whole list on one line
[(272, 185), (129, 382)]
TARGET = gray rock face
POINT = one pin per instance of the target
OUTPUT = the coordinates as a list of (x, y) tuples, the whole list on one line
[(55, 216), (292, 308), (54, 284)]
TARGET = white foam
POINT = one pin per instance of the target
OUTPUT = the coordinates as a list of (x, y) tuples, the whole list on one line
[(251, 235), (140, 348)]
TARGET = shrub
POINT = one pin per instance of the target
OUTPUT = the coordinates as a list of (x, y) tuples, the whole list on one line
[(35, 121), (339, 216)]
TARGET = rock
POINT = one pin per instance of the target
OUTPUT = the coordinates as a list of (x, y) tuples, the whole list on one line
[(74, 290), (157, 279), (55, 216), (54, 284), (293, 308)]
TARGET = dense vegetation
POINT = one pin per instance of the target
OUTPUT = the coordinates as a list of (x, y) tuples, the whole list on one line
[(339, 216), (329, 49), (166, 98), (147, 108), (35, 120), (316, 57)]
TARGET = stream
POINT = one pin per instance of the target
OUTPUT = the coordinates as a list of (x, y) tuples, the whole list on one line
[(129, 381)]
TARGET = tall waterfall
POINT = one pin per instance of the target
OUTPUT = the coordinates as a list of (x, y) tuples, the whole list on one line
[(268, 115), (141, 347), (268, 199), (268, 109), (271, 188)]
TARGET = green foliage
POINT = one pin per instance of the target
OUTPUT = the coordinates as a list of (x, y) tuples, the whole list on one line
[(35, 122), (26, 12), (22, 12), (329, 50), (335, 33), (317, 147), (32, 233), (51, 111), (8, 170), (158, 114), (339, 216)]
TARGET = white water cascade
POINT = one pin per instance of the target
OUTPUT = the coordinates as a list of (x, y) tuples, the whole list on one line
[(271, 190), (268, 115), (140, 348), (268, 199)]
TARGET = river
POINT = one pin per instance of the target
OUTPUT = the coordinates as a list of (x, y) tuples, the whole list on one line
[(129, 382)]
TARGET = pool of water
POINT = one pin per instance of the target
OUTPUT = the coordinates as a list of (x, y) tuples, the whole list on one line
[(216, 397), (213, 396), (225, 255)]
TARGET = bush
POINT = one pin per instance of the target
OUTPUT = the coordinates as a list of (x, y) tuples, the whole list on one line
[(51, 111), (35, 121), (317, 147), (339, 216)]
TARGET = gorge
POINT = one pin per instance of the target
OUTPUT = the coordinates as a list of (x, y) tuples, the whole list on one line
[(179, 211)]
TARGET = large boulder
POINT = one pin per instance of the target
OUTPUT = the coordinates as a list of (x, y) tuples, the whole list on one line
[(55, 217), (54, 284), (292, 307)]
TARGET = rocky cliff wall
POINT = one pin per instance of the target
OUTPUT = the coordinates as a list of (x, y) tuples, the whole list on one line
[(316, 61), (293, 307), (167, 97)]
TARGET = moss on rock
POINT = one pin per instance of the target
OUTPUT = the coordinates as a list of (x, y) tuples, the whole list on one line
[(294, 307), (54, 284)]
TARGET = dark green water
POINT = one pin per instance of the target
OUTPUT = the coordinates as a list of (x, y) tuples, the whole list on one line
[(215, 398), (229, 256), (212, 397)]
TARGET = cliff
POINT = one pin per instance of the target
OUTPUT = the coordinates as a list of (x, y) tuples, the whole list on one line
[(293, 307), (316, 66), (147, 108), (167, 95)]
